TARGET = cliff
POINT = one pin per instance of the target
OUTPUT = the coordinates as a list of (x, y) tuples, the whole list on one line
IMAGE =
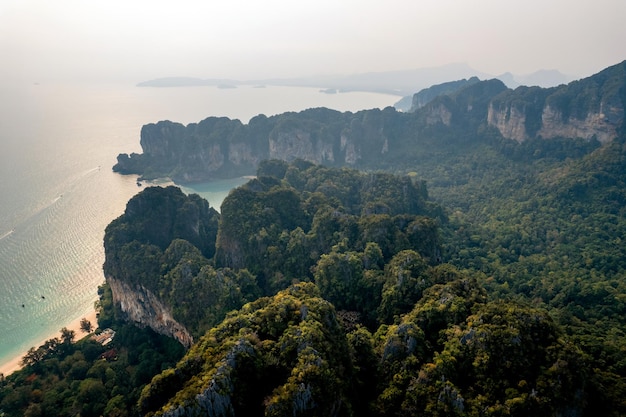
[(461, 111), (156, 263), (592, 108), (142, 307), (160, 277), (240, 372)]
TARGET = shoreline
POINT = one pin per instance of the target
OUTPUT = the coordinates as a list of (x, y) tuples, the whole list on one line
[(14, 364)]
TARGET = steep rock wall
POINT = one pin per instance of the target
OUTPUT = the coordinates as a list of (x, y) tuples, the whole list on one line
[(352, 154), (299, 144), (142, 306), (438, 113), (242, 153), (510, 121), (591, 108), (161, 140), (595, 124)]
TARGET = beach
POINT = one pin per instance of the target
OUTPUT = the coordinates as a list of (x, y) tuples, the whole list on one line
[(14, 364), (58, 143)]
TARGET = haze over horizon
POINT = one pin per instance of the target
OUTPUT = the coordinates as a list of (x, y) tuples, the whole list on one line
[(74, 40)]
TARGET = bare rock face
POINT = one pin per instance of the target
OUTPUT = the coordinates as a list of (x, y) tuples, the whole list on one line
[(240, 153), (350, 149), (595, 124), (142, 306), (438, 113), (161, 139), (591, 108), (299, 144), (510, 121)]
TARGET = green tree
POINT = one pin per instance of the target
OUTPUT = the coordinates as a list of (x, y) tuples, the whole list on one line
[(85, 325), (405, 279)]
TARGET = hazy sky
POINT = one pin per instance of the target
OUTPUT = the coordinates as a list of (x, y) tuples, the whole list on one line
[(136, 40)]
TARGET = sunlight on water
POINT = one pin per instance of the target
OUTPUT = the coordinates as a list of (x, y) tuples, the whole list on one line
[(58, 193)]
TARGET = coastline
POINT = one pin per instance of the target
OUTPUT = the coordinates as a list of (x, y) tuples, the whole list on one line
[(13, 365)]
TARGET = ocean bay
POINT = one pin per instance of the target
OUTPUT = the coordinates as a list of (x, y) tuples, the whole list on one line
[(57, 146)]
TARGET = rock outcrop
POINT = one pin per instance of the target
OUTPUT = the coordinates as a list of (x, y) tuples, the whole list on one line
[(438, 113), (153, 254), (425, 96), (300, 144), (142, 307), (596, 124), (509, 120), (591, 109)]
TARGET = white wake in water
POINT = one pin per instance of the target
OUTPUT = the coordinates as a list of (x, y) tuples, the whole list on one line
[(7, 234)]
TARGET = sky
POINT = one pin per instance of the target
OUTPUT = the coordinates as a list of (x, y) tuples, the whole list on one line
[(137, 40)]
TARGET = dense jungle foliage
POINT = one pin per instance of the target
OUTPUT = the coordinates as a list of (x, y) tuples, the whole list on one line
[(85, 378), (468, 275), (336, 292)]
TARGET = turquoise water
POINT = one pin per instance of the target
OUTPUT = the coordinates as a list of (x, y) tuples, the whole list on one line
[(58, 193), (215, 192)]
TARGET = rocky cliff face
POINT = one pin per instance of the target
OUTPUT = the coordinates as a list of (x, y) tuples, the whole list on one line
[(352, 154), (242, 153), (141, 306), (299, 144), (591, 108), (438, 113), (511, 123), (596, 124), (152, 254)]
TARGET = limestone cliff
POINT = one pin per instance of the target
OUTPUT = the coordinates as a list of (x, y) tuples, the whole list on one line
[(438, 113), (512, 123), (192, 153), (595, 124), (156, 259), (141, 306), (509, 120), (299, 144), (222, 148), (591, 108)]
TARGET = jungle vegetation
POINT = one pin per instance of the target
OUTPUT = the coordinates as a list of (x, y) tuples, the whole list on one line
[(336, 292), (467, 274)]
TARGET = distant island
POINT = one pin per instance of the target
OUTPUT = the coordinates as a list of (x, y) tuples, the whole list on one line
[(404, 83), (187, 82)]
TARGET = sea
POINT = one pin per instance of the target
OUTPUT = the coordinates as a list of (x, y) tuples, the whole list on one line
[(58, 143)]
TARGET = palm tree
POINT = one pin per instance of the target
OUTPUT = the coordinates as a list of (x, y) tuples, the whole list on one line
[(67, 336), (85, 325)]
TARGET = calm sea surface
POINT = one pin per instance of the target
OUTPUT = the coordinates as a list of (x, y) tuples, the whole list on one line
[(58, 193)]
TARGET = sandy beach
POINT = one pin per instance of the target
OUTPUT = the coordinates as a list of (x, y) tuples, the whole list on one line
[(14, 364)]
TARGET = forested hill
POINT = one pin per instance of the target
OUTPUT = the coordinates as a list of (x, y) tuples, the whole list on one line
[(478, 275), (590, 109), (272, 231), (327, 291), (361, 317)]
